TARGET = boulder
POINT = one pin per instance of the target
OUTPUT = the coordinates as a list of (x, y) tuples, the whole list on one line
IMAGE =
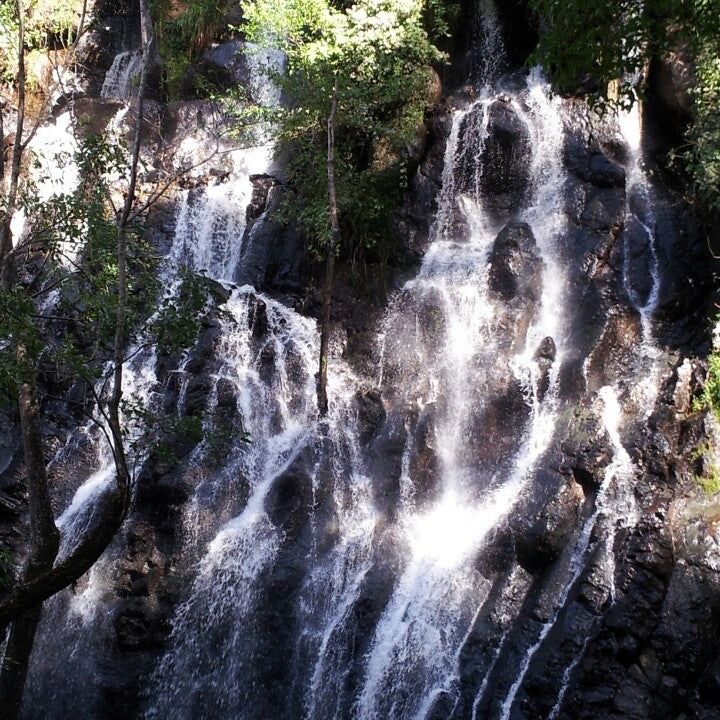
[(544, 357), (516, 266), (496, 158), (541, 535), (371, 413), (506, 157)]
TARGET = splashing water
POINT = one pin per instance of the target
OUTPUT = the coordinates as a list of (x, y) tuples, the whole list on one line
[(413, 655), (641, 215), (374, 588)]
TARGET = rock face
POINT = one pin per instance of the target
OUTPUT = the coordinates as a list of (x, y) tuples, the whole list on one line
[(499, 516), (505, 157), (515, 267)]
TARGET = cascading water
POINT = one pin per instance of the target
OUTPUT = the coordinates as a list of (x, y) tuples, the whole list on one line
[(54, 174), (641, 219), (607, 508), (348, 567), (72, 618), (121, 80), (412, 660)]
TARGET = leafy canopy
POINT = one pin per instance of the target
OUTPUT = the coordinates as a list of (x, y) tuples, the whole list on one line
[(49, 24), (379, 54)]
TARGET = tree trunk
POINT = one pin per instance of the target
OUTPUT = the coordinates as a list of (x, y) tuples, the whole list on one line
[(44, 539), (17, 150), (322, 397), (44, 544)]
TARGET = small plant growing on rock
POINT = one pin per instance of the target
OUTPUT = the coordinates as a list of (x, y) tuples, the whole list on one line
[(710, 396), (708, 475)]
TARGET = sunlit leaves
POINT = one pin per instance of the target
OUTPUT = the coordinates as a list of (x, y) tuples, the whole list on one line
[(62, 306), (47, 23), (379, 53)]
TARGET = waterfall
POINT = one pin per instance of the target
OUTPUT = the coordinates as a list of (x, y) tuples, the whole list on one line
[(424, 551), (209, 238), (53, 173), (120, 81), (413, 655), (641, 215), (620, 471)]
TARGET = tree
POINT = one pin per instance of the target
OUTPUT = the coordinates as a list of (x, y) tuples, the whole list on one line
[(41, 576), (359, 80), (105, 310)]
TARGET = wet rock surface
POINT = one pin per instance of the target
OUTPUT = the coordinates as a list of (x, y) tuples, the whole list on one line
[(632, 636), (515, 266)]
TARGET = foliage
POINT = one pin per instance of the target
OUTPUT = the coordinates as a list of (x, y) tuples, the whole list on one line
[(704, 135), (710, 397), (17, 329), (379, 55), (710, 481), (67, 281), (593, 44), (182, 313), (219, 438), (47, 23), (183, 33), (156, 434), (441, 16)]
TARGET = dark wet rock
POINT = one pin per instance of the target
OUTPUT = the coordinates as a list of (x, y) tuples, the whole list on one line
[(669, 100), (276, 256), (94, 114), (132, 630), (603, 172), (371, 412), (497, 425), (262, 186), (115, 28), (505, 158), (258, 319), (596, 161), (203, 353), (546, 350), (226, 394), (385, 452), (9, 444), (234, 63), (290, 497), (542, 534), (637, 261), (424, 461), (412, 222), (586, 448), (603, 209), (612, 354), (544, 357), (9, 506), (515, 270), (228, 61), (196, 395)]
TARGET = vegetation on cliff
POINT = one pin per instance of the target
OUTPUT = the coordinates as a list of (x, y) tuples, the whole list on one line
[(589, 46)]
